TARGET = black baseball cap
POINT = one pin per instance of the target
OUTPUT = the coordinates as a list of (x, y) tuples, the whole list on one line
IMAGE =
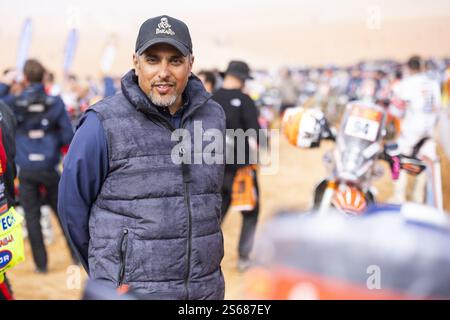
[(239, 69), (164, 29)]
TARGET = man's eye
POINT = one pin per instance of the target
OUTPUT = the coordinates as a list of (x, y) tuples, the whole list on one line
[(177, 61), (151, 60)]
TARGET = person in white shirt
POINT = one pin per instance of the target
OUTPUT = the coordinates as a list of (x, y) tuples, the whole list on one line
[(422, 97)]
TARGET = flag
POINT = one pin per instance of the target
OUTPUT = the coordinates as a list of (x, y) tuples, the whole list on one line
[(69, 50), (24, 44)]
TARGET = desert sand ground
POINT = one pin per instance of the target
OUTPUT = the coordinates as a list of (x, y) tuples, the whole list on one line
[(291, 187)]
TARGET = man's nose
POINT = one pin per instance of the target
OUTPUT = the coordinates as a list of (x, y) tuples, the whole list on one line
[(164, 71)]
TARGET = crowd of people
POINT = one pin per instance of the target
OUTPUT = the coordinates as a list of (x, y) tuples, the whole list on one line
[(132, 218)]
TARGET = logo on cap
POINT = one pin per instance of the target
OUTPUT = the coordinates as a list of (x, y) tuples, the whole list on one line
[(164, 27)]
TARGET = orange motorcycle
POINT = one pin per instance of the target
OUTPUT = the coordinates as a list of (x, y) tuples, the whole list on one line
[(353, 163)]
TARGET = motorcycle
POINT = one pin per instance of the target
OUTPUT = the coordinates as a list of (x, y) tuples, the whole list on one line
[(353, 163)]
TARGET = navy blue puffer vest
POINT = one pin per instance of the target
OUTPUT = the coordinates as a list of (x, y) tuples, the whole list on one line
[(155, 225)]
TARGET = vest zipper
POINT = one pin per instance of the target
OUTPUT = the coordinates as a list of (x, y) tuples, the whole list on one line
[(187, 198), (123, 256), (187, 201)]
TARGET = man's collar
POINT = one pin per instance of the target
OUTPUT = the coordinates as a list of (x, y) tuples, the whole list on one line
[(194, 94), (36, 86)]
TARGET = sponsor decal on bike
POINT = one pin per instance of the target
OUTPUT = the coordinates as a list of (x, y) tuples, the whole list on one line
[(6, 240), (5, 258), (7, 221)]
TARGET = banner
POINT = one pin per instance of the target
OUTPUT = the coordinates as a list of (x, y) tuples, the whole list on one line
[(69, 50), (24, 44), (109, 55)]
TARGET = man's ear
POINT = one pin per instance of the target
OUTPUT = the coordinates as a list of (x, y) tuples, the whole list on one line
[(135, 63), (191, 63)]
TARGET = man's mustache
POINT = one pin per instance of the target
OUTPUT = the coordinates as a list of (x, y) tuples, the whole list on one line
[(156, 84)]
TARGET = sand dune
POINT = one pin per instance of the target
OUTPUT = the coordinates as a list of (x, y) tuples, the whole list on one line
[(267, 43)]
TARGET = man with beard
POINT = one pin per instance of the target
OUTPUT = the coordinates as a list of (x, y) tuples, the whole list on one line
[(141, 221)]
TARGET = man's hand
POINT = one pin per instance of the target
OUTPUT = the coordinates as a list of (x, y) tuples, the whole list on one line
[(10, 77)]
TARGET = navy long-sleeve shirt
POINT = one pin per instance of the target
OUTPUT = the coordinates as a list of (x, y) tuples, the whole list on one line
[(85, 168)]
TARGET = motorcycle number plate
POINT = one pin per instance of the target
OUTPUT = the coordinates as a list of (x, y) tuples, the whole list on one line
[(362, 128)]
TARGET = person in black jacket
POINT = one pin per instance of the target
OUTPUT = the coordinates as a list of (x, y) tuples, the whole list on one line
[(241, 113), (43, 131)]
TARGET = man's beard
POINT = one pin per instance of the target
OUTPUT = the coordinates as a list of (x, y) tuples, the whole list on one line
[(162, 101)]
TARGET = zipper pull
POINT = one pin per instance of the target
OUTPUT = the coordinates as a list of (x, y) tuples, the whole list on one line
[(125, 234)]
